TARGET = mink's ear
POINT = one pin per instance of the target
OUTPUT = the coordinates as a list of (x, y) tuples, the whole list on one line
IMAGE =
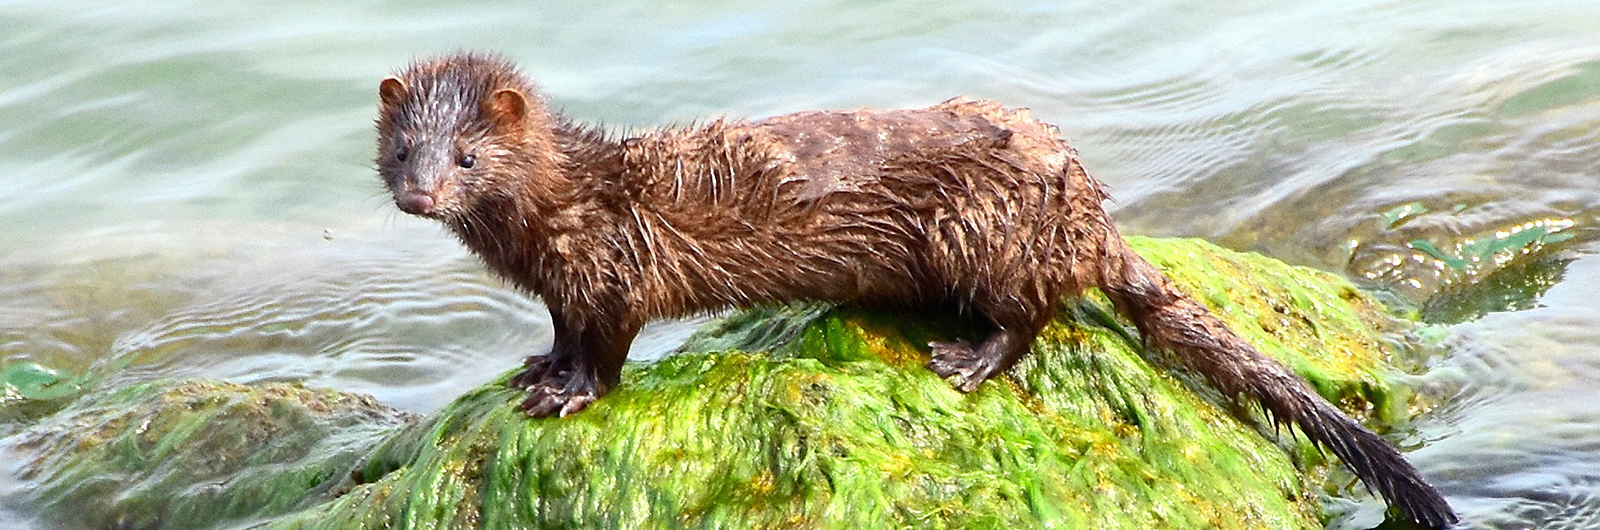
[(391, 91), (507, 107)]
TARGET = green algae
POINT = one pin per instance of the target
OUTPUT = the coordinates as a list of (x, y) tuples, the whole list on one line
[(29, 391), (811, 416), (33, 381), (194, 454)]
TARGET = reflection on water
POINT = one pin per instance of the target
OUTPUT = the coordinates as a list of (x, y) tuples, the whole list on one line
[(189, 190)]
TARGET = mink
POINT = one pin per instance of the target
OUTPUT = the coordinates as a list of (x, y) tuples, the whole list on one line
[(965, 205)]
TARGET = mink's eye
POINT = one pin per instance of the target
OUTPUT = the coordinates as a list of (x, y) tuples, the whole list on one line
[(467, 161), (400, 154)]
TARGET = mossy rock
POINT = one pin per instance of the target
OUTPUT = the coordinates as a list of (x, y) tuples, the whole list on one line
[(193, 454), (817, 417)]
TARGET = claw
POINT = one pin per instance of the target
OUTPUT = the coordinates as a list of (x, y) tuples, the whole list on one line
[(577, 403), (539, 403)]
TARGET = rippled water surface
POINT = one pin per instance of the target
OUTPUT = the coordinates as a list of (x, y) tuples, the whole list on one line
[(188, 189)]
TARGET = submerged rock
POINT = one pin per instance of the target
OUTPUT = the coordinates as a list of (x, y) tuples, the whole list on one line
[(193, 454), (804, 416)]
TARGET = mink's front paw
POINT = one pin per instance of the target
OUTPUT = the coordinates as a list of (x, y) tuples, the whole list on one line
[(533, 371), (553, 388), (545, 400)]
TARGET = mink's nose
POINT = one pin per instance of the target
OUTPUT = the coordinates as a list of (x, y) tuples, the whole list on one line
[(415, 203)]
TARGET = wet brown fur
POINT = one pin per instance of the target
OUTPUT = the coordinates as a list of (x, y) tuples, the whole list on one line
[(965, 204)]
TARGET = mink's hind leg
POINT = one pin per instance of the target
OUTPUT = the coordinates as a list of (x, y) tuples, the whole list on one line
[(579, 369), (972, 366)]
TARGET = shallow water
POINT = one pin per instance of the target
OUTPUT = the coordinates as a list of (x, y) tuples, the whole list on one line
[(189, 188)]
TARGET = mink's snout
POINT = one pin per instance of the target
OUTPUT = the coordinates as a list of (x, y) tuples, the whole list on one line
[(415, 203)]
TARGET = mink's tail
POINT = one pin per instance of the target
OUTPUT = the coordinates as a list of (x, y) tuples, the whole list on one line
[(1175, 323)]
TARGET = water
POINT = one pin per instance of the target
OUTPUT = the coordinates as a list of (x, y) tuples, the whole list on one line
[(189, 193)]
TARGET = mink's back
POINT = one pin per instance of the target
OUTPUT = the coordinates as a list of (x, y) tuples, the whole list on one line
[(934, 205)]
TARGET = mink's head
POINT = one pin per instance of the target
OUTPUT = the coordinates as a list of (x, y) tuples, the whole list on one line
[(455, 130)]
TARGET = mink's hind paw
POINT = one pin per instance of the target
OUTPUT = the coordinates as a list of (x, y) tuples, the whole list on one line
[(960, 360)]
